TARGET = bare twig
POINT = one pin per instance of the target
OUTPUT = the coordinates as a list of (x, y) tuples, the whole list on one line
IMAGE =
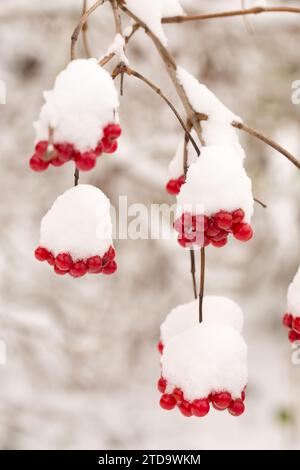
[(111, 55), (193, 271), (227, 14), (84, 32), (76, 177), (260, 203), (202, 281)]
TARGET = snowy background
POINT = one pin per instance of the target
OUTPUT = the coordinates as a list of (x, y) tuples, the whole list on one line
[(82, 363)]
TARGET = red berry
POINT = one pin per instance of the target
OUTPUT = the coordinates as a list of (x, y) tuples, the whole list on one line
[(56, 162), (238, 216), (178, 394), (242, 232), (61, 272), (186, 408), (37, 164), (172, 187), (161, 385), (219, 243), (184, 223), (41, 148), (63, 261), (109, 146), (293, 336), (78, 269), (41, 254), (224, 220), (184, 241), (243, 395), (221, 236), (200, 407), (99, 149), (200, 223), (296, 324), (112, 131), (160, 347), (109, 255), (86, 161), (64, 152), (167, 402), (51, 259), (180, 180), (236, 407), (287, 320), (213, 230), (94, 264), (221, 400), (110, 268)]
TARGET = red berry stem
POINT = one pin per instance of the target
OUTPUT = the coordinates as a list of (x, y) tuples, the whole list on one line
[(202, 281)]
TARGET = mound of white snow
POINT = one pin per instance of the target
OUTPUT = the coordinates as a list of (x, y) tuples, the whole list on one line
[(293, 295)]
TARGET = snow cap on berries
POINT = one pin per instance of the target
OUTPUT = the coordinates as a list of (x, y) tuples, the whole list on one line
[(216, 309), (82, 102), (216, 181), (293, 295), (207, 358), (78, 223), (175, 167)]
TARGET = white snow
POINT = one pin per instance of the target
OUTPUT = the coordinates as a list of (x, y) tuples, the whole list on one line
[(207, 358), (118, 47), (82, 102), (151, 13), (216, 309), (78, 223), (293, 295), (175, 168), (217, 180), (217, 130)]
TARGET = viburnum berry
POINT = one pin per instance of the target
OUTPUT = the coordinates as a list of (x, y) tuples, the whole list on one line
[(112, 131), (56, 162), (236, 407), (109, 146), (293, 336), (178, 394), (161, 385), (243, 395), (242, 232), (185, 408), (37, 164), (41, 148), (160, 347), (61, 272), (200, 407), (63, 261), (219, 243), (296, 324), (94, 264), (51, 259), (85, 161), (109, 268), (184, 241), (78, 269), (223, 220), (287, 320), (172, 187), (167, 401), (184, 223), (41, 254), (200, 223), (221, 400), (99, 149), (238, 216), (65, 152), (212, 230)]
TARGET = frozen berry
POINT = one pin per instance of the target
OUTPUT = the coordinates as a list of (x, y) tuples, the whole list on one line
[(200, 407), (219, 243), (99, 149), (109, 255), (212, 230), (287, 320), (200, 223), (112, 131), (184, 241), (94, 264), (224, 220), (293, 336), (78, 269), (185, 408), (181, 180), (61, 272), (167, 402), (63, 261), (242, 232), (86, 161), (243, 395), (51, 259), (296, 324), (184, 223), (56, 162), (64, 152), (41, 148), (221, 235), (238, 216), (221, 400), (236, 407), (109, 146), (162, 385), (37, 164), (172, 187), (41, 254), (178, 394), (160, 347), (110, 268)]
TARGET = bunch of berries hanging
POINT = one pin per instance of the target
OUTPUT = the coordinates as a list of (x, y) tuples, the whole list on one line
[(291, 318)]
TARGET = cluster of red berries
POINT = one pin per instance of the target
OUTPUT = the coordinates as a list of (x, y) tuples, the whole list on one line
[(293, 324), (174, 185), (64, 264), (203, 230), (200, 407), (64, 152)]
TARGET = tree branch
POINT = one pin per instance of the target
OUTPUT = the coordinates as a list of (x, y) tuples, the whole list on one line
[(227, 14), (84, 32)]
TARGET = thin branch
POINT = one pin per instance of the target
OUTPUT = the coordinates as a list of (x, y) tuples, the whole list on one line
[(84, 32), (76, 177), (134, 73), (262, 204), (111, 55), (193, 271), (202, 281), (80, 25), (227, 14)]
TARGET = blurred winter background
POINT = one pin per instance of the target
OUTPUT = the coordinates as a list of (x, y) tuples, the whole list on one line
[(82, 363)]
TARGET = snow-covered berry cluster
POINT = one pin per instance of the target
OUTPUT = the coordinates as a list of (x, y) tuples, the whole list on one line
[(78, 120), (291, 319), (203, 364), (173, 185), (76, 234)]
